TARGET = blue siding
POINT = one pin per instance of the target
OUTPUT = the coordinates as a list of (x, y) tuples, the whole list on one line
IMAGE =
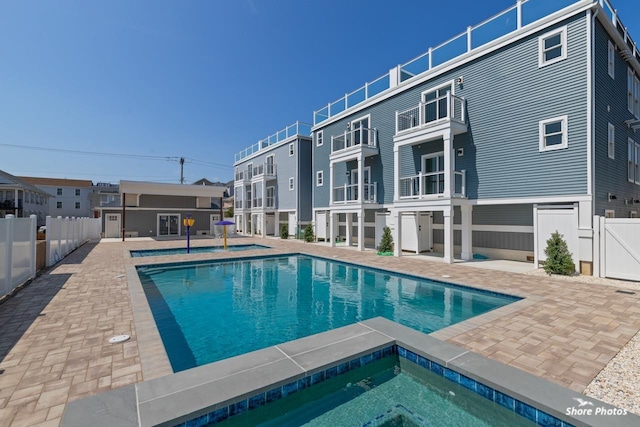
[(507, 95), (611, 107)]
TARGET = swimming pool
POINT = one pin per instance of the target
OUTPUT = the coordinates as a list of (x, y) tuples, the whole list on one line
[(196, 250), (209, 311)]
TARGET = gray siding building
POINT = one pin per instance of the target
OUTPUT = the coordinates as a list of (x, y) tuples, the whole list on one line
[(460, 150), (272, 182)]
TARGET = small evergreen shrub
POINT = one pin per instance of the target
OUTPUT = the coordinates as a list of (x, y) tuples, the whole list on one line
[(386, 242), (559, 259), (308, 235), (284, 231)]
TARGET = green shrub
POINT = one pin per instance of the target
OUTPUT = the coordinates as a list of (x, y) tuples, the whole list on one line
[(284, 231), (386, 242), (559, 259), (308, 235)]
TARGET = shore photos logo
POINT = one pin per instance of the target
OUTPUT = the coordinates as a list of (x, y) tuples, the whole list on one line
[(587, 407)]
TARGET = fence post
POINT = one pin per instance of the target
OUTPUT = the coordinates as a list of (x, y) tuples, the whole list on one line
[(59, 251), (32, 243), (9, 254), (596, 246), (49, 225), (603, 246)]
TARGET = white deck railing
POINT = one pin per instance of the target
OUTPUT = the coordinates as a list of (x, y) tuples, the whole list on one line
[(447, 107), (348, 193), (355, 138), (430, 184)]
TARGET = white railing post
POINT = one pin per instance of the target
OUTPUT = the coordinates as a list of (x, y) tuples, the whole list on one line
[(420, 185), (519, 14), (430, 58), (8, 241), (32, 243), (449, 106), (464, 183), (48, 223), (366, 90), (468, 38), (59, 251), (421, 116)]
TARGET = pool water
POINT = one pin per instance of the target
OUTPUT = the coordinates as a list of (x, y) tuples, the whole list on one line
[(196, 250), (210, 311), (382, 394)]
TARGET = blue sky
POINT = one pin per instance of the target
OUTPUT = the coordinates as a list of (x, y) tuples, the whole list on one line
[(151, 81)]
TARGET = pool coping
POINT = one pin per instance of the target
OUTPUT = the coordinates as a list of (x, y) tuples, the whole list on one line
[(187, 395)]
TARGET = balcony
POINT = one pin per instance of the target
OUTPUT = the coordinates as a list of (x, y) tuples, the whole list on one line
[(445, 109), (349, 193), (238, 204), (431, 184), (270, 202), (257, 202), (267, 170), (239, 176), (354, 142)]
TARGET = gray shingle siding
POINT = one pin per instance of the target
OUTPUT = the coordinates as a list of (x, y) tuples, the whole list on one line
[(507, 96), (611, 107)]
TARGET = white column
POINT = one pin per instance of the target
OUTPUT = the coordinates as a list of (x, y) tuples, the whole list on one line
[(448, 165), (32, 243), (330, 183), (360, 179), (448, 235), (361, 230), (332, 229), (276, 231), (263, 220), (397, 232), (467, 233), (349, 221), (15, 203), (396, 172), (8, 242)]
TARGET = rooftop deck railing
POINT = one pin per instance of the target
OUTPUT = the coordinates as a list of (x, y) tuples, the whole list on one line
[(524, 12), (447, 107), (298, 128)]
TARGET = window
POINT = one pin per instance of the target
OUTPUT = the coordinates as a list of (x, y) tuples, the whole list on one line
[(611, 141), (633, 92), (435, 101), (609, 213), (59, 192), (319, 138), (611, 60), (59, 205), (633, 214), (271, 197), (77, 191), (637, 162), (290, 184), (77, 205), (361, 131), (319, 178), (552, 47), (631, 160), (291, 150), (553, 134)]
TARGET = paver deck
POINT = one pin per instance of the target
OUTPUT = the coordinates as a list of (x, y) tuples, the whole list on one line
[(54, 341)]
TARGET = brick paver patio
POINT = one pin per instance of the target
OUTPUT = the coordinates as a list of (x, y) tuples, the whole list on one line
[(54, 333)]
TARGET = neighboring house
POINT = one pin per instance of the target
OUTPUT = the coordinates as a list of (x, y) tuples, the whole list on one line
[(158, 210), (272, 182), (472, 146), (69, 197), (19, 198), (102, 194)]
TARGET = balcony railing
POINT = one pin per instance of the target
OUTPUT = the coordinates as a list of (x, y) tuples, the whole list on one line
[(430, 184), (447, 107), (240, 176), (238, 204), (247, 204), (271, 202), (351, 139), (257, 202), (510, 20), (349, 193), (268, 169), (298, 128)]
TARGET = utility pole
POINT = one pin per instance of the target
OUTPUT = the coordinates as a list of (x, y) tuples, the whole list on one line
[(181, 170)]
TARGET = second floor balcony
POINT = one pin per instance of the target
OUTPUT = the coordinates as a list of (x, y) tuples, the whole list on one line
[(447, 109), (350, 193), (431, 185), (353, 142), (266, 170)]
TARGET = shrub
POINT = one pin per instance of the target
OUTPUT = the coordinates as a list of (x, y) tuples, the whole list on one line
[(284, 231), (559, 259), (386, 242), (308, 235)]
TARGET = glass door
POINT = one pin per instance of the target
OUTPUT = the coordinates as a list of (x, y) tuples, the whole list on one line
[(168, 225)]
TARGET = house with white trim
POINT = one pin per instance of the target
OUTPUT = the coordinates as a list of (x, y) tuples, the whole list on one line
[(21, 199), (486, 143), (272, 183)]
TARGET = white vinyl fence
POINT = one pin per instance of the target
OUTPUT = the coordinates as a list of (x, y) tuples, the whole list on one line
[(66, 234), (17, 251), (617, 248)]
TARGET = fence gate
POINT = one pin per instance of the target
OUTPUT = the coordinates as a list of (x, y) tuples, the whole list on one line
[(551, 218), (620, 248)]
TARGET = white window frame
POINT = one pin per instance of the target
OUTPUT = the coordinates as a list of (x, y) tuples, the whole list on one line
[(250, 170), (564, 130), (180, 225), (611, 141), (319, 138), (59, 192), (291, 184), (636, 96), (291, 149), (58, 205), (630, 82), (630, 160), (266, 196), (319, 178), (77, 205), (633, 214), (637, 162), (609, 213), (563, 45), (77, 191), (611, 60)]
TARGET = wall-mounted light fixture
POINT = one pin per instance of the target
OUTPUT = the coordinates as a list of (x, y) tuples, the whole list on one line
[(459, 81), (611, 197)]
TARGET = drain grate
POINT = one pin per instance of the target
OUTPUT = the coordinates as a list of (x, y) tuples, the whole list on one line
[(620, 291), (118, 339)]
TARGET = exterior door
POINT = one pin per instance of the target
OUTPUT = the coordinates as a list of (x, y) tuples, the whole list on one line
[(214, 229), (168, 224), (433, 171), (354, 183), (112, 225), (293, 223)]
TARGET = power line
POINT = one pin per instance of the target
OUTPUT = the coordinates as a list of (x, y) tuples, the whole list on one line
[(92, 153)]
